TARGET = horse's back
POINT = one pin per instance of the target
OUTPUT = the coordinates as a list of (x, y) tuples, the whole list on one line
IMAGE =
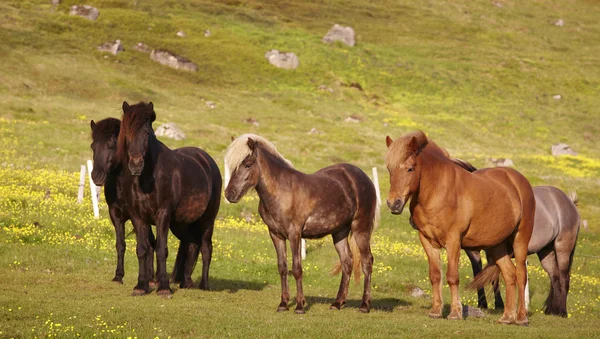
[(555, 216)]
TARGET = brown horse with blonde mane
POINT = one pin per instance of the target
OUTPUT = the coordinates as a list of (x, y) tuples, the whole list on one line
[(337, 200), (453, 208)]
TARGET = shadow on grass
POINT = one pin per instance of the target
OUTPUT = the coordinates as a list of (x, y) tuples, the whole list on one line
[(385, 304), (232, 286)]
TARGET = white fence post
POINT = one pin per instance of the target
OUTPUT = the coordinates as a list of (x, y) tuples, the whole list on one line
[(303, 249), (527, 289), (81, 184), (227, 177), (376, 184), (93, 190)]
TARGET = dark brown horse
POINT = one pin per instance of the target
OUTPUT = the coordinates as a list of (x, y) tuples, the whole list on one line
[(452, 208), (335, 200), (106, 172), (554, 237), (172, 189)]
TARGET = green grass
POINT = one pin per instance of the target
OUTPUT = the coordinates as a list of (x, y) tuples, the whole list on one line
[(478, 78)]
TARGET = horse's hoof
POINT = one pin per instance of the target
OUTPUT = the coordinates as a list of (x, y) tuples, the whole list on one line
[(364, 309), (187, 284), (299, 311), (454, 316), (506, 320), (137, 292), (336, 306), (118, 280), (204, 287), (164, 292), (522, 322)]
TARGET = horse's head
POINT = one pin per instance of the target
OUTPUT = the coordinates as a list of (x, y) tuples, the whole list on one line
[(245, 173), (405, 174), (136, 133), (104, 146)]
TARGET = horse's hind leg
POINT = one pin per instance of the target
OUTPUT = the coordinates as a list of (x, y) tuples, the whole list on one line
[(502, 259), (564, 248), (363, 242), (206, 249), (498, 303), (191, 257), (475, 259), (178, 268), (340, 241), (548, 260)]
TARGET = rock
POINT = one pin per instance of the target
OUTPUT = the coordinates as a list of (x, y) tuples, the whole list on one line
[(181, 34), (85, 11), (557, 97), (173, 60), (502, 162), (497, 4), (585, 224), (352, 119), (252, 121), (55, 2), (207, 33), (211, 104), (416, 292), (285, 60), (559, 23), (562, 149), (314, 130), (474, 312), (340, 33), (142, 47), (171, 131), (325, 88), (111, 47)]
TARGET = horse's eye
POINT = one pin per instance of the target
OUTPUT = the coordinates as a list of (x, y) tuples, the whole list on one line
[(248, 165), (411, 169)]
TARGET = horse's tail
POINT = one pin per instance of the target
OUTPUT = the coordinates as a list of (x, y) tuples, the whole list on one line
[(356, 260), (490, 273), (574, 197)]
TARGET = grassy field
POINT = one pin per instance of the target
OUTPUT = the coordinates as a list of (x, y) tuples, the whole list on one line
[(477, 77)]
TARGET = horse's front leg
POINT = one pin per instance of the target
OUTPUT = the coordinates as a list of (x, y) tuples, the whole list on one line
[(279, 244), (295, 243), (453, 251), (163, 222), (118, 221), (143, 249), (435, 276)]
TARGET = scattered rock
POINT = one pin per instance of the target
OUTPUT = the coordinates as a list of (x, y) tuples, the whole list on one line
[(171, 131), (585, 224), (173, 60), (181, 34), (502, 162), (252, 121), (557, 97), (85, 11), (340, 33), (211, 104), (314, 130), (353, 119), (562, 149), (113, 47), (207, 33), (416, 292), (559, 23), (55, 2), (385, 124), (497, 4), (285, 60), (142, 47), (469, 311), (354, 85), (325, 88)]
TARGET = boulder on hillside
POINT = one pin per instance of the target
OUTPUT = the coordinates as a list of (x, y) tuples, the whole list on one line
[(469, 311), (173, 60), (562, 149), (112, 47), (502, 162), (416, 292), (171, 131), (340, 33), (85, 11), (285, 60), (142, 47)]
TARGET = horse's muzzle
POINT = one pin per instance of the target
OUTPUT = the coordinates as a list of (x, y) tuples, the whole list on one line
[(136, 166), (99, 178), (231, 195), (397, 206)]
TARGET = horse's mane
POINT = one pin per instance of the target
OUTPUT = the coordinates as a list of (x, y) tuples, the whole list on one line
[(238, 150), (106, 128), (134, 119), (401, 149)]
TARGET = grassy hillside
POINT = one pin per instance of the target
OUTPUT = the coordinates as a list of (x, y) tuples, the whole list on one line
[(477, 77)]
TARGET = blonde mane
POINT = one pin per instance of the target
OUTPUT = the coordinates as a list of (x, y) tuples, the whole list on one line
[(238, 150)]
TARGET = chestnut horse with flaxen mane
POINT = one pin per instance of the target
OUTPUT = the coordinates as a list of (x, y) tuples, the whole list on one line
[(452, 208), (339, 200), (173, 189)]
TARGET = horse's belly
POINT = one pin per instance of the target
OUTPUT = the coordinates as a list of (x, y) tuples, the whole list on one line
[(324, 222), (191, 210)]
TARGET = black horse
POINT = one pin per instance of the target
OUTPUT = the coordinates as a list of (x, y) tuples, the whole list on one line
[(177, 189), (107, 169)]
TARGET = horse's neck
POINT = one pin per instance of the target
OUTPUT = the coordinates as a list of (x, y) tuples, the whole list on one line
[(275, 177)]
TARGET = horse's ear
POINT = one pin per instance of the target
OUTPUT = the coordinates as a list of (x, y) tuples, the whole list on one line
[(388, 141), (153, 115), (92, 124), (125, 107), (414, 145), (151, 105), (232, 138), (251, 144)]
